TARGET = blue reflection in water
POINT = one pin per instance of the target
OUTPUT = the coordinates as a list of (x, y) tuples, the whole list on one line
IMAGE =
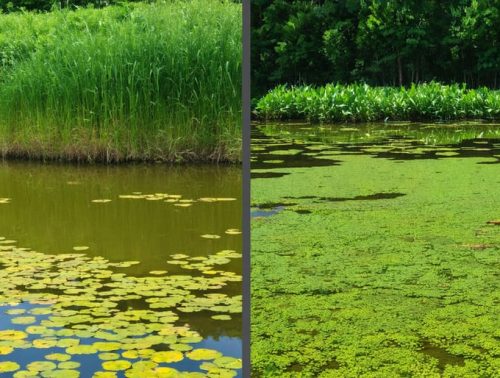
[(89, 364)]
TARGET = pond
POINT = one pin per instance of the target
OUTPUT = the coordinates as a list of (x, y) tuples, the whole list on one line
[(130, 270), (375, 249)]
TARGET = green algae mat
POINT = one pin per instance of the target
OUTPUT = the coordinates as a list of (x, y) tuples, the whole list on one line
[(130, 271), (375, 250)]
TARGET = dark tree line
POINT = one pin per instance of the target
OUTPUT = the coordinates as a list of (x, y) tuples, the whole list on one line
[(380, 42), (7, 6)]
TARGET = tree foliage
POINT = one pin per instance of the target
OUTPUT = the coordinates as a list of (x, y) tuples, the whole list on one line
[(390, 42)]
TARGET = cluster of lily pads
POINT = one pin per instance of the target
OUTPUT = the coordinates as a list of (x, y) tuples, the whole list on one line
[(72, 305), (175, 199)]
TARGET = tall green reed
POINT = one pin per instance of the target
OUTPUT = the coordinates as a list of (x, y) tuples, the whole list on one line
[(157, 81)]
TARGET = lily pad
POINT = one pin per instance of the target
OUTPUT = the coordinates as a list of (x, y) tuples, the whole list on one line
[(203, 354), (117, 365), (12, 335), (8, 366), (209, 236), (5, 349), (58, 357), (81, 248), (168, 357)]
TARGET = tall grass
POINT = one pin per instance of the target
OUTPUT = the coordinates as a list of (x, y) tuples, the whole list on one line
[(362, 103), (157, 81)]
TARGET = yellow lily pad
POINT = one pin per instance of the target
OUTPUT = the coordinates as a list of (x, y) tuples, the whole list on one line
[(166, 372), (132, 354), (68, 365), (181, 347), (25, 374), (210, 236), (44, 343), (62, 373), (117, 365), (203, 354), (233, 231), (81, 349), (228, 362), (8, 366), (4, 350), (23, 320), (158, 272), (221, 317), (41, 366), (81, 248), (104, 374), (106, 346), (168, 357), (109, 356), (10, 334), (61, 357)]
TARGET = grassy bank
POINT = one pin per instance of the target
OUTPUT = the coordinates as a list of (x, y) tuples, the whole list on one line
[(362, 103), (135, 82)]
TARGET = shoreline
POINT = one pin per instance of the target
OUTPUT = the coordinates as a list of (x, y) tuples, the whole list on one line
[(71, 155)]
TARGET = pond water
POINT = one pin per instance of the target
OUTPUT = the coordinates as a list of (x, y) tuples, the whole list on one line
[(375, 249), (128, 270)]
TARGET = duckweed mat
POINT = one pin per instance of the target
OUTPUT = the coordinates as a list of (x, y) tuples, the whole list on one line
[(375, 251)]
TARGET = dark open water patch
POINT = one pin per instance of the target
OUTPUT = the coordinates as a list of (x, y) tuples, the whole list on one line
[(303, 211), (369, 197), (262, 213), (256, 175), (282, 153), (442, 355)]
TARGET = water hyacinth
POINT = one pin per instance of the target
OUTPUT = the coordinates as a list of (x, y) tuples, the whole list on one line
[(362, 103)]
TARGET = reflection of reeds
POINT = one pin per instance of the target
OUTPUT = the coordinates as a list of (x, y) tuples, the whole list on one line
[(157, 81), (362, 103), (428, 134)]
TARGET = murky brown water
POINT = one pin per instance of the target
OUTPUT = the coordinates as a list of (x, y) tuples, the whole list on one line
[(51, 210)]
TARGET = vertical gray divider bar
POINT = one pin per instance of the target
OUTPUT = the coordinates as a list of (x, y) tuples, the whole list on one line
[(246, 188)]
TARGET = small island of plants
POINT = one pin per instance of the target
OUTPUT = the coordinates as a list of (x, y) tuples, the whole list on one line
[(363, 103)]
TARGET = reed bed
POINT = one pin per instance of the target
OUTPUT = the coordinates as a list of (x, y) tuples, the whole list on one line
[(157, 81), (362, 103)]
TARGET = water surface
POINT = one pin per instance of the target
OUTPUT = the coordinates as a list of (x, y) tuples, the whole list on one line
[(141, 214)]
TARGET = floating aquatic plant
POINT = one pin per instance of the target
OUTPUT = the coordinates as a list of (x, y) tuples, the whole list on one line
[(76, 297), (370, 285)]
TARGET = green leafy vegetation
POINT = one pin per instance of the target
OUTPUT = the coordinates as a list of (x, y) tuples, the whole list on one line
[(393, 42), (362, 103), (158, 81), (382, 259)]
